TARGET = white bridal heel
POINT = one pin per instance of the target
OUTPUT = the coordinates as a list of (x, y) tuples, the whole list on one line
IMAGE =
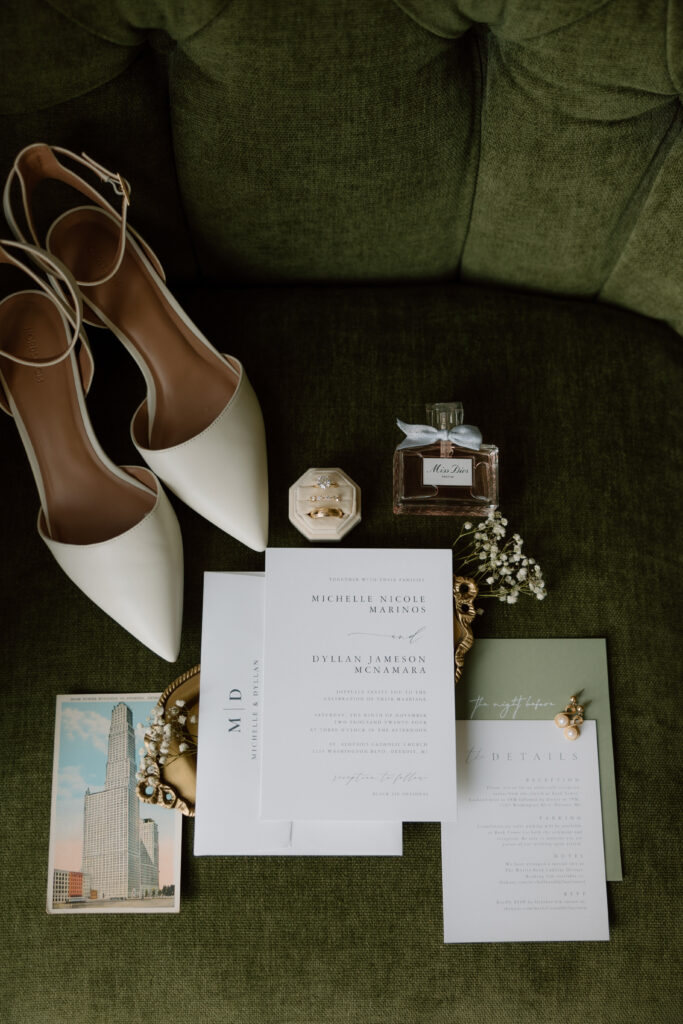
[(111, 529), (200, 428)]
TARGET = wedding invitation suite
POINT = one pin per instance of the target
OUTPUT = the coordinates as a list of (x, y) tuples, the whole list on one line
[(228, 773), (524, 861), (509, 680), (359, 702)]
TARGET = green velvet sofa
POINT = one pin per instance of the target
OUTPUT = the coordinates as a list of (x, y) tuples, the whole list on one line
[(375, 204)]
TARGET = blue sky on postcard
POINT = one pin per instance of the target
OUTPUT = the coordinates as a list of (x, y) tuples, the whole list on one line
[(81, 763)]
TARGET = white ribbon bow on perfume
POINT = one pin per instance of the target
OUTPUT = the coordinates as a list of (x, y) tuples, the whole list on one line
[(465, 435)]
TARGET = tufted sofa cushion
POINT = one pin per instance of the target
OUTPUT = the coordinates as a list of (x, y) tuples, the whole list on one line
[(579, 181), (535, 146), (590, 472)]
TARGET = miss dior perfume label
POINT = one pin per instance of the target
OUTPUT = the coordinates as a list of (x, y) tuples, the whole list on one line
[(447, 472), (442, 468)]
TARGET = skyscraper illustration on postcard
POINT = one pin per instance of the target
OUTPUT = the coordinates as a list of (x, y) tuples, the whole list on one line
[(113, 848), (104, 855)]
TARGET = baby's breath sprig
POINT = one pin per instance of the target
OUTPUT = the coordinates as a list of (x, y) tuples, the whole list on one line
[(496, 564), (166, 728)]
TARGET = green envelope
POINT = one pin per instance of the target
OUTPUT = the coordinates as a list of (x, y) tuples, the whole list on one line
[(521, 679)]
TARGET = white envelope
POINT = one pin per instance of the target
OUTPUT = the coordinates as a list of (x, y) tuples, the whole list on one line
[(228, 763)]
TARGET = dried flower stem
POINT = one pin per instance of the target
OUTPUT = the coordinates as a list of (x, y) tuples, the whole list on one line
[(497, 565)]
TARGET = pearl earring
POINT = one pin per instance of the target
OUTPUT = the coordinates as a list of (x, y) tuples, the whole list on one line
[(570, 719)]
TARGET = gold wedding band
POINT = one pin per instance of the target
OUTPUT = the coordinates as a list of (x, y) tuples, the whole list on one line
[(319, 513)]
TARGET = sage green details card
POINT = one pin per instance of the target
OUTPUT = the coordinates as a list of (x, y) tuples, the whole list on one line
[(534, 679)]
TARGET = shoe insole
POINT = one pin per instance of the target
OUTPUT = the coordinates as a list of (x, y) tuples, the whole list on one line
[(191, 384), (84, 500)]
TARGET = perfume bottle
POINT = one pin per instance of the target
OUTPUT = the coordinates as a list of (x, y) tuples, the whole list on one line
[(441, 468)]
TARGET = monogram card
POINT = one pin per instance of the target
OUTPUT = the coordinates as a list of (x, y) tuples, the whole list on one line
[(228, 765)]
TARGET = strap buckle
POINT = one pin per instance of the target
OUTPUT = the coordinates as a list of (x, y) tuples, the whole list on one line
[(120, 186), (115, 179)]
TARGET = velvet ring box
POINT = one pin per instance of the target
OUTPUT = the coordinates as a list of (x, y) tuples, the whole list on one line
[(324, 504)]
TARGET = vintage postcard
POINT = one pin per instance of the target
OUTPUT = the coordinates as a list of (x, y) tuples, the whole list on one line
[(109, 852)]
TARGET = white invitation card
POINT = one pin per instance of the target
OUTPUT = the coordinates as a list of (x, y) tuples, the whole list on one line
[(524, 861), (359, 709), (228, 769)]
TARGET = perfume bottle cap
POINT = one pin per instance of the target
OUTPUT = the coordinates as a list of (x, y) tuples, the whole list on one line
[(444, 415)]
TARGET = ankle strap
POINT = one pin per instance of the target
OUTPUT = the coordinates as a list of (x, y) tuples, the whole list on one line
[(39, 161), (72, 315)]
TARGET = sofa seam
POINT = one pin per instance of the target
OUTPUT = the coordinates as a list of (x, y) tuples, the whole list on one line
[(143, 33), (430, 28), (557, 28), (479, 33), (90, 30), (668, 47), (195, 31), (487, 25), (637, 219)]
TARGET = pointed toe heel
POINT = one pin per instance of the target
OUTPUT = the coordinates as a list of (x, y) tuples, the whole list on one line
[(220, 472), (111, 530), (135, 577), (200, 428)]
